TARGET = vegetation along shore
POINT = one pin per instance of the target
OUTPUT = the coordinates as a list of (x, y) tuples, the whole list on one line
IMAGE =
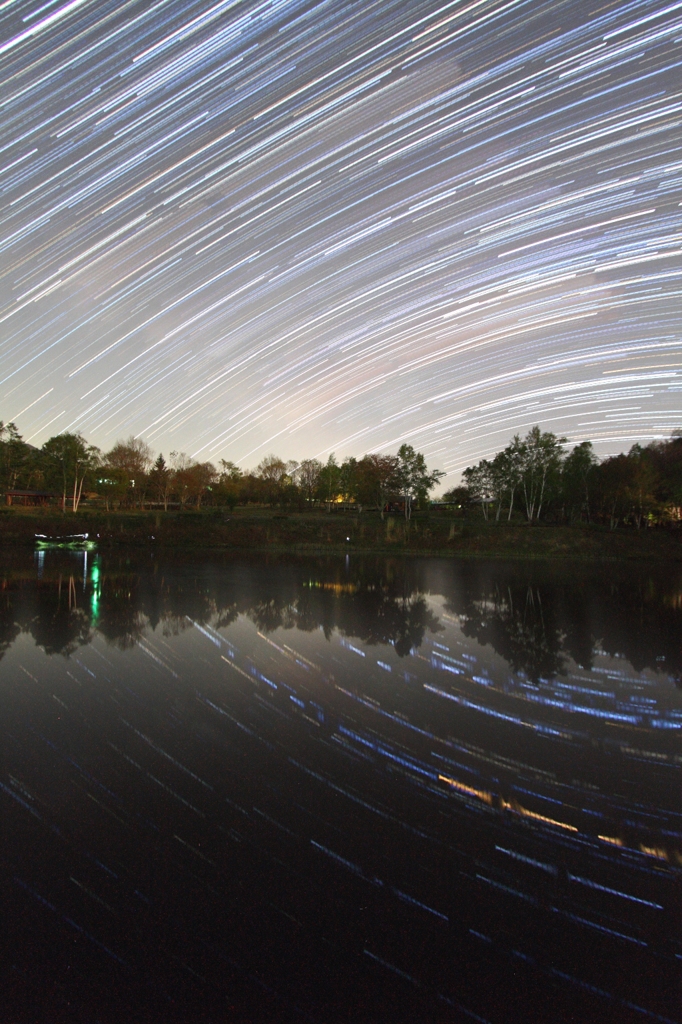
[(437, 531), (539, 497)]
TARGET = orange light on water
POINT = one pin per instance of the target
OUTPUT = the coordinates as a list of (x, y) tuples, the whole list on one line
[(611, 839), (654, 851), (480, 794), (519, 809)]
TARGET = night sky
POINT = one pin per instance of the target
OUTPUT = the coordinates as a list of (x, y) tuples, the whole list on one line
[(303, 227)]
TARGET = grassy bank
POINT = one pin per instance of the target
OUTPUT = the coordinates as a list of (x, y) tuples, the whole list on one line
[(314, 532)]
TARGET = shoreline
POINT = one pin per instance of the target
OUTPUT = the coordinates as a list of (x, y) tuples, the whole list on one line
[(320, 533)]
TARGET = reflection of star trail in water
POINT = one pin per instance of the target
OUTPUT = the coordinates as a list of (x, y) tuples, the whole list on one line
[(242, 788), (229, 226)]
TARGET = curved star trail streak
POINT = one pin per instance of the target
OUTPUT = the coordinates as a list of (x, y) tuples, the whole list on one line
[(316, 226)]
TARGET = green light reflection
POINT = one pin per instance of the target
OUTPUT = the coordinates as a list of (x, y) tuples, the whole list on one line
[(95, 592)]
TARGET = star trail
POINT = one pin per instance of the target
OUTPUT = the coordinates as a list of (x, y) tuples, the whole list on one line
[(307, 227)]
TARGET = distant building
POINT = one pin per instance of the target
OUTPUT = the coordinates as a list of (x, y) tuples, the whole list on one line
[(30, 498)]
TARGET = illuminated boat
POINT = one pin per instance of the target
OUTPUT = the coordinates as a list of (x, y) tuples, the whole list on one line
[(71, 541)]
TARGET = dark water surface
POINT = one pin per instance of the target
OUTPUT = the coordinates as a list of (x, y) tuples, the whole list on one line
[(328, 790)]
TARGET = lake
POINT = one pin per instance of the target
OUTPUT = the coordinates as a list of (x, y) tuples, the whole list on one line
[(361, 789)]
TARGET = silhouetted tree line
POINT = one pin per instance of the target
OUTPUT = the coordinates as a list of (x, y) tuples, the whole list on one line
[(129, 476), (539, 618), (62, 614), (536, 619), (536, 478)]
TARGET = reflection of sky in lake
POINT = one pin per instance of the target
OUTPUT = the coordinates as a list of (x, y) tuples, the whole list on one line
[(307, 790)]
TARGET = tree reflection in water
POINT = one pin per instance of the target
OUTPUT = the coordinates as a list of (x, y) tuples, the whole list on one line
[(9, 627), (60, 623), (535, 617), (120, 619), (520, 629), (378, 610)]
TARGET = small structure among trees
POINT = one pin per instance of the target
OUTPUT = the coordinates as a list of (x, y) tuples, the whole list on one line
[(33, 499)]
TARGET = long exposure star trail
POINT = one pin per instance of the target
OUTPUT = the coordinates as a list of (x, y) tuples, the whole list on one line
[(306, 227)]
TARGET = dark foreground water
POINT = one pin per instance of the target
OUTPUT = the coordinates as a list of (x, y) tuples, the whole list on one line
[(360, 790)]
